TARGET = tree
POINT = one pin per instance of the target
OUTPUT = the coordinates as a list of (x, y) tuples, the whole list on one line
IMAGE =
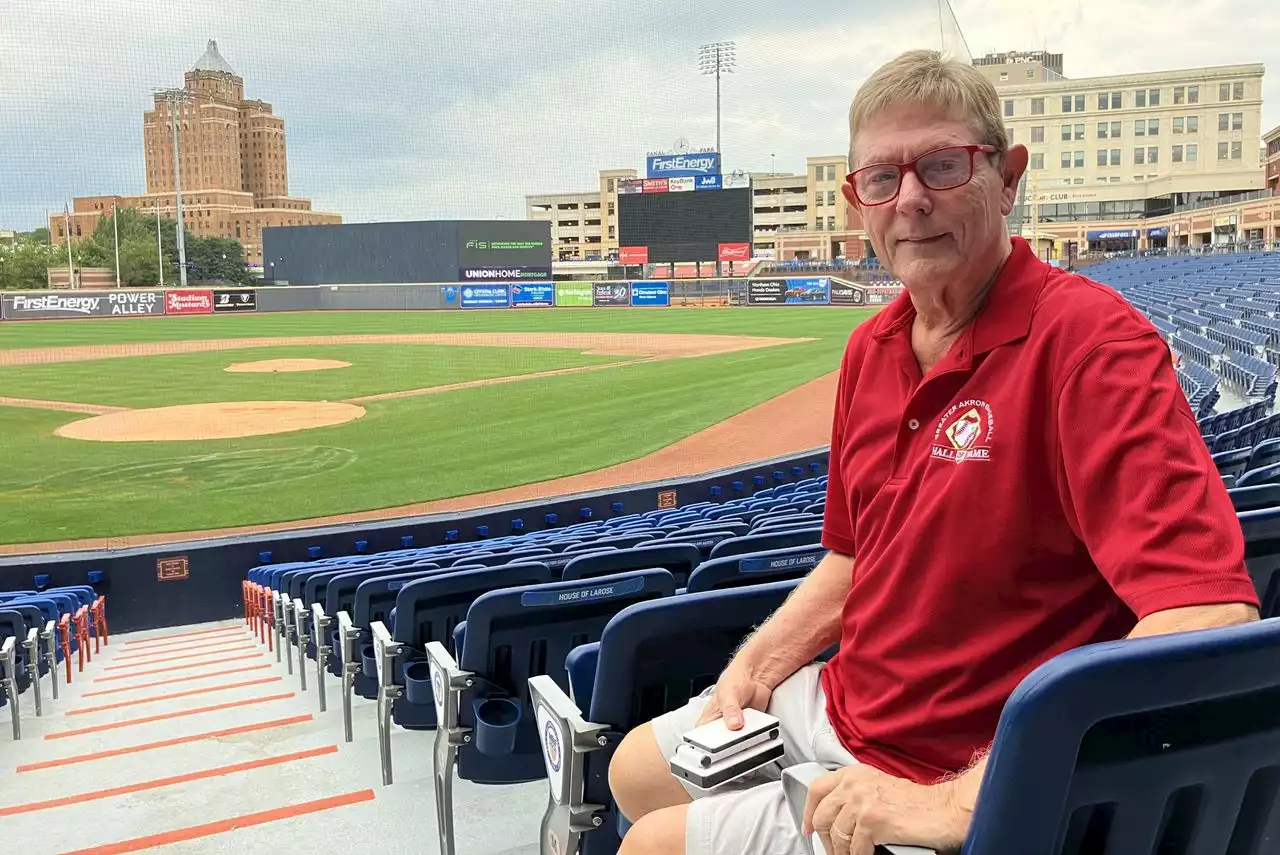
[(216, 260), (40, 235), (24, 264)]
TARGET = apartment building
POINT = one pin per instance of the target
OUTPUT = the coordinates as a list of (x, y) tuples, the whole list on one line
[(584, 226)]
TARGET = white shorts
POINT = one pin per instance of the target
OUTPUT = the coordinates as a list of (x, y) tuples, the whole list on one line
[(749, 816)]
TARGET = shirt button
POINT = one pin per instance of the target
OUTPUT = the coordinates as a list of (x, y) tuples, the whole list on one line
[(913, 424)]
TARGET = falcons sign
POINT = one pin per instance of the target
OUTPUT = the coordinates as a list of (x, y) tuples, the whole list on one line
[(734, 252)]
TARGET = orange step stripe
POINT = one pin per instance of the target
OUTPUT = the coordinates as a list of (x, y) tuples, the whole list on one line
[(160, 659), (163, 649), (132, 722), (81, 798), (174, 695), (175, 680), (186, 667), (223, 825), (164, 743), (159, 638)]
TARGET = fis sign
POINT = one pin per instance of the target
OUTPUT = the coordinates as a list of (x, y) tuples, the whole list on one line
[(681, 165)]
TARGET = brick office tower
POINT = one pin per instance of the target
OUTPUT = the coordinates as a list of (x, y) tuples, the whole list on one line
[(233, 159)]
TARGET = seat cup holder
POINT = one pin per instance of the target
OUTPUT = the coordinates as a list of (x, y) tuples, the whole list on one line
[(417, 684), (497, 722), (369, 662)]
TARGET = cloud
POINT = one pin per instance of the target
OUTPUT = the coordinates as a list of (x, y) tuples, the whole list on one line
[(399, 110)]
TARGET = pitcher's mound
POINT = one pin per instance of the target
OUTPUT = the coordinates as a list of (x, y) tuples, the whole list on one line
[(277, 365), (210, 421)]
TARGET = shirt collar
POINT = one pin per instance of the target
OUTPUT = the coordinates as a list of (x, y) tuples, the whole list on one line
[(1007, 314)]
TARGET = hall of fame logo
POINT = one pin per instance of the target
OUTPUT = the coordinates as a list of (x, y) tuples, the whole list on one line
[(964, 432)]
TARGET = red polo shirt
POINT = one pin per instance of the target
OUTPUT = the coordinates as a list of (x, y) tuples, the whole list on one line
[(1044, 487)]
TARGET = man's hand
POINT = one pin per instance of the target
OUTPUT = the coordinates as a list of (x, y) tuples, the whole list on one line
[(735, 691), (857, 807)]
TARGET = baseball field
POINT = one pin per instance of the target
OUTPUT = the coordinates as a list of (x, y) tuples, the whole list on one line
[(127, 431)]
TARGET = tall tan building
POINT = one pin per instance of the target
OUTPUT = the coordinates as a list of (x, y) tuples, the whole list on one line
[(584, 226), (1131, 147), (1271, 153), (232, 159)]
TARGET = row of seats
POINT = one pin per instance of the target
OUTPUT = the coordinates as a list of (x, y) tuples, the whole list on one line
[(1253, 376), (533, 656), (40, 629)]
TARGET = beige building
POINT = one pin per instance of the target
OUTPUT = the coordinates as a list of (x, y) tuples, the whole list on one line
[(1021, 66), (584, 226), (233, 161), (1271, 155)]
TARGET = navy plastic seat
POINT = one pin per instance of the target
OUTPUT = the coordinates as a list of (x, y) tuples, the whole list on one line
[(13, 624), (517, 633), (677, 558), (705, 540), (771, 540), (1264, 475), (1261, 529), (754, 568), (1254, 498), (1163, 744), (428, 610), (651, 658)]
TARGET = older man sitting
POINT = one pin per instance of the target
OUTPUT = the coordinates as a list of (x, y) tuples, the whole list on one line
[(1014, 473)]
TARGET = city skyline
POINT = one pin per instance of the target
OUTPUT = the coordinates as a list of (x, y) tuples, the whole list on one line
[(383, 126)]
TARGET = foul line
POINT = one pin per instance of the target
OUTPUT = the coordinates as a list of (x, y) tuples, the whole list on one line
[(132, 722), (175, 680), (174, 695), (166, 658), (223, 825), (186, 667), (80, 798), (164, 743), (137, 641)]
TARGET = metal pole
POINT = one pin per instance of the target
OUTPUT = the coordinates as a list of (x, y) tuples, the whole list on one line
[(115, 225), (177, 191), (159, 245), (71, 266), (718, 100)]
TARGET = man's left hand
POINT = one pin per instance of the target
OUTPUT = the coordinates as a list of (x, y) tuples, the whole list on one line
[(857, 807)]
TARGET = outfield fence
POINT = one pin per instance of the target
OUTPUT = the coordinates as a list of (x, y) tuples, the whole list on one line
[(657, 294)]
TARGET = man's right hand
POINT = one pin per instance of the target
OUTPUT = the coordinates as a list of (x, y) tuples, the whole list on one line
[(735, 691)]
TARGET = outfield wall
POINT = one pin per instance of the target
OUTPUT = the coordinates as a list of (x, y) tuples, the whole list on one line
[(150, 302), (196, 581)]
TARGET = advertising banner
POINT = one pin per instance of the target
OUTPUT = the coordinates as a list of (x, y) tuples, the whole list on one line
[(680, 185), (575, 294), (633, 255), (510, 243), (1112, 234), (81, 304), (774, 292), (678, 165), (707, 182), (630, 185), (733, 182), (528, 295), (1160, 232), (655, 185), (650, 293), (486, 296), (188, 302), (612, 294), (846, 295), (235, 301), (734, 252), (502, 274)]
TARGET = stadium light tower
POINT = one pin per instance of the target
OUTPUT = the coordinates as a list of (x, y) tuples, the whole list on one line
[(717, 58), (174, 97)]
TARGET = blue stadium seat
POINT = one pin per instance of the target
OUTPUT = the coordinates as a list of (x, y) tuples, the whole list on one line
[(753, 568), (483, 692), (679, 559), (651, 658)]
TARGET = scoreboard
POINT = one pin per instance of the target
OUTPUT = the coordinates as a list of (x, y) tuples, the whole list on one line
[(680, 227)]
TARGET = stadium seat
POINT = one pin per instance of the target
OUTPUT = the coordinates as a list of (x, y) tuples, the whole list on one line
[(482, 693), (1264, 475), (651, 658), (754, 568), (679, 559), (1261, 529), (1253, 498), (1167, 744)]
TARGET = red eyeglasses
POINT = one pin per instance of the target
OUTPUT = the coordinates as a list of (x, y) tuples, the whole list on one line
[(940, 169)]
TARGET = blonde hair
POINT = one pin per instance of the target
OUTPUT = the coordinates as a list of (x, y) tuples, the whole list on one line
[(926, 78)]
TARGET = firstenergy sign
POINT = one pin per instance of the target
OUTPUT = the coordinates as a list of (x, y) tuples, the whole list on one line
[(83, 304), (681, 165)]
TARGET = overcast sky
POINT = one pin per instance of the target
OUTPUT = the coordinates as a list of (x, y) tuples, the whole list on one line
[(412, 110)]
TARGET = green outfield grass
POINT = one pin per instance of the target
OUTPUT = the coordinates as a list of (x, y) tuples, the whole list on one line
[(404, 450), (197, 378)]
